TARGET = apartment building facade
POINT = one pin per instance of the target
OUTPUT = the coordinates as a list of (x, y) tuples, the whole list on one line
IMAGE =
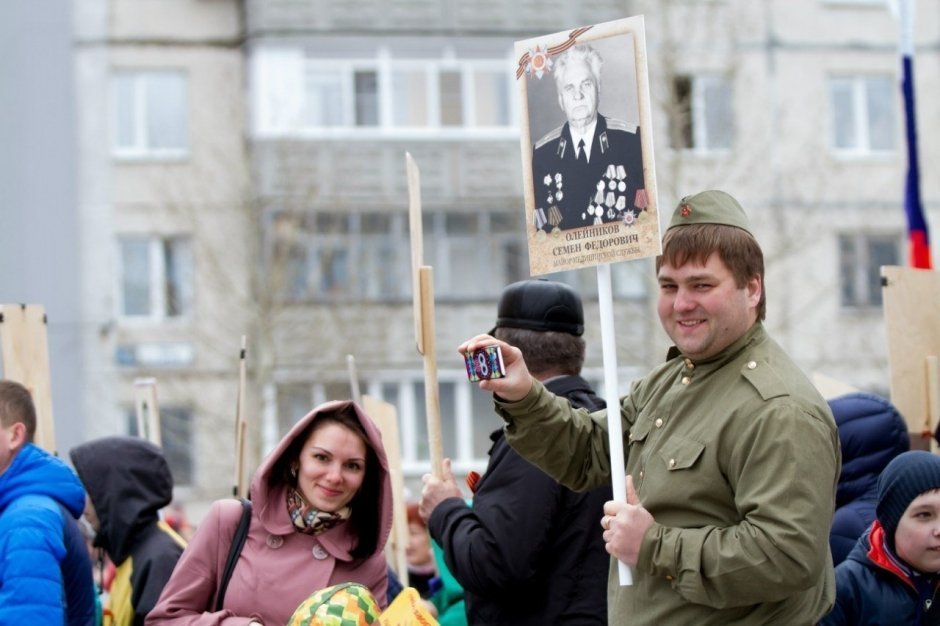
[(243, 174)]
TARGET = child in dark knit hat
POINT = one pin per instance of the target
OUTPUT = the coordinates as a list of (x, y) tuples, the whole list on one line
[(891, 576)]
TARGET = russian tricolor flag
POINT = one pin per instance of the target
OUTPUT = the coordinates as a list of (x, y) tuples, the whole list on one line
[(917, 234)]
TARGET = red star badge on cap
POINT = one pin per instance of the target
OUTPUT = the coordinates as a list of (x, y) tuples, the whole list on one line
[(685, 210)]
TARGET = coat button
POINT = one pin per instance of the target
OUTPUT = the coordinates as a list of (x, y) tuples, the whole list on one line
[(686, 380), (659, 422), (274, 541), (752, 365), (672, 463), (319, 553)]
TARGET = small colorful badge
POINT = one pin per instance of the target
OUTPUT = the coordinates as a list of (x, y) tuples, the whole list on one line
[(539, 62)]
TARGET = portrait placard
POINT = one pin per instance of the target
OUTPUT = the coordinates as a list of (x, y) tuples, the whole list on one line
[(587, 149)]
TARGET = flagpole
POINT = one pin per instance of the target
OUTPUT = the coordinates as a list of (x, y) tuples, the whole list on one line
[(918, 237)]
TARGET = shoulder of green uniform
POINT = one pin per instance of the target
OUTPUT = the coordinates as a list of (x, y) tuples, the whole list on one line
[(768, 383)]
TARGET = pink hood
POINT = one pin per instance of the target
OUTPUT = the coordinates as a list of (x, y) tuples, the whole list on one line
[(270, 503), (278, 567)]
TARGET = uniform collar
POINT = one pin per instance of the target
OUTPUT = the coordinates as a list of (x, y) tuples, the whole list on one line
[(587, 135), (755, 333)]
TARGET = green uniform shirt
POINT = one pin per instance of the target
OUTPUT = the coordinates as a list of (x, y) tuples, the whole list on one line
[(737, 459)]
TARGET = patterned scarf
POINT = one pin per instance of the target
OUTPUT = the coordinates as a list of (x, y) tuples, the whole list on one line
[(309, 520)]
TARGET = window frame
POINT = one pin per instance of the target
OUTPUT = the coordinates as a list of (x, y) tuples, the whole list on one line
[(865, 278), (141, 147), (282, 63), (157, 279), (698, 114), (176, 449), (862, 131), (365, 245)]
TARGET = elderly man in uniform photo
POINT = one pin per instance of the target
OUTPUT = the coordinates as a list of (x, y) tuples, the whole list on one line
[(732, 456), (589, 170)]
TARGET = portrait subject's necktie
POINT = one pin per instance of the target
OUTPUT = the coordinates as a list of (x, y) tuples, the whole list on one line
[(581, 155)]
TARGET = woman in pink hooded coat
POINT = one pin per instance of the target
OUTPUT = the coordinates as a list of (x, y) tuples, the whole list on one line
[(321, 514)]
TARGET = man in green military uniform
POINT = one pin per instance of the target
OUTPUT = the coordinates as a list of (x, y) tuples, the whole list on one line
[(732, 455)]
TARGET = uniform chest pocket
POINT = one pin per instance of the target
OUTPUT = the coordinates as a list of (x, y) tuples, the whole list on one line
[(680, 454), (640, 430)]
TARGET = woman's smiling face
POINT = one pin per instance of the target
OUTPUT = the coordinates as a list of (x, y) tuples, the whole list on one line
[(332, 466)]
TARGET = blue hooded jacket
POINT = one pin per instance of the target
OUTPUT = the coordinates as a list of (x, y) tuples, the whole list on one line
[(871, 433), (34, 490)]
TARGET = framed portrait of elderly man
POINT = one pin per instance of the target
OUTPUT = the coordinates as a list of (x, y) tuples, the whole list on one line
[(587, 151)]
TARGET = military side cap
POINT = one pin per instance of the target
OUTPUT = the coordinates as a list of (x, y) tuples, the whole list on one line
[(540, 305), (710, 207)]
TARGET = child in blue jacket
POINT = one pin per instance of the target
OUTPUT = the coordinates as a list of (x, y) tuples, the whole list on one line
[(891, 576)]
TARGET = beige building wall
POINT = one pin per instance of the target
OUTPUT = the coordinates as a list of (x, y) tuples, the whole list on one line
[(202, 196), (776, 54)]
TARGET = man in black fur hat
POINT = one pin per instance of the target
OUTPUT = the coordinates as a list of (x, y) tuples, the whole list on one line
[(528, 550)]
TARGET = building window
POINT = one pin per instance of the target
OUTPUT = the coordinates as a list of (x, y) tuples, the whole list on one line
[(701, 119), (629, 281), (871, 3), (860, 260), (474, 254), (293, 402), (862, 110), (296, 93), (176, 435), (367, 98), (150, 119), (367, 256), (155, 277)]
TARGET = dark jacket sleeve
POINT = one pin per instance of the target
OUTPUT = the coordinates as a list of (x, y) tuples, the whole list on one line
[(844, 611), (154, 563), (848, 524), (493, 547), (77, 577)]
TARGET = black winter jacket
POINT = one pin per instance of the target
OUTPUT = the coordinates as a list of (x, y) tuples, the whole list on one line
[(871, 433), (528, 551), (129, 481)]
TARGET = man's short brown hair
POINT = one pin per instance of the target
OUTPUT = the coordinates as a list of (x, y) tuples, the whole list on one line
[(735, 246), (16, 405), (546, 351)]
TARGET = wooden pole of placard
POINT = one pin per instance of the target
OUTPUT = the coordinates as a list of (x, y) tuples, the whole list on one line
[(353, 379), (422, 282), (25, 353), (913, 334), (148, 410), (386, 418), (238, 485)]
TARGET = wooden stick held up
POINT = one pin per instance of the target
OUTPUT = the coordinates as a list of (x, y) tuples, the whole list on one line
[(431, 395), (423, 289), (238, 488), (386, 418), (353, 379), (148, 410)]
